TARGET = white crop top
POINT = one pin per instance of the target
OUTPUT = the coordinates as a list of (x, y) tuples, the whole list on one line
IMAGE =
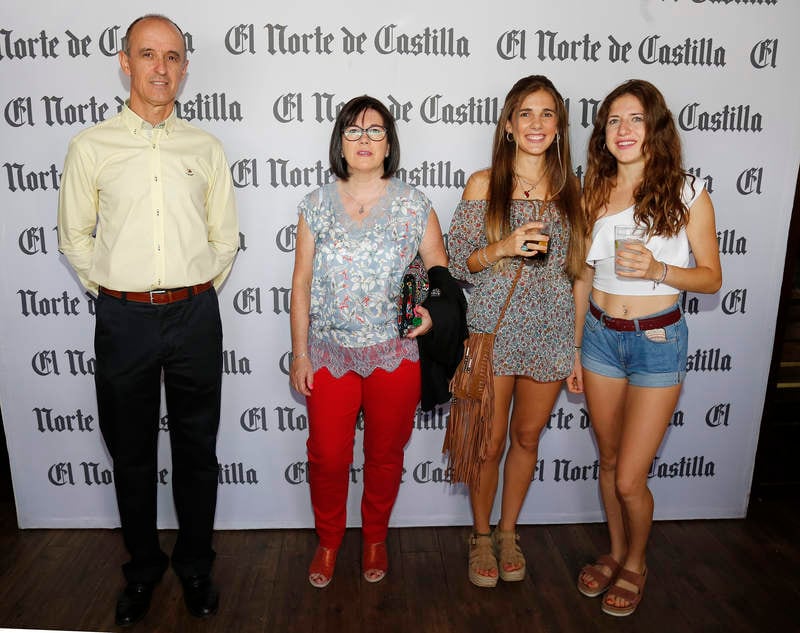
[(670, 250)]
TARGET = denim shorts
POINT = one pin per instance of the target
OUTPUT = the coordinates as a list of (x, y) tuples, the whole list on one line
[(647, 358)]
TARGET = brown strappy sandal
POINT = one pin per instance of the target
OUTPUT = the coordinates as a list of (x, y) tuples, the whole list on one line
[(615, 591), (481, 556), (599, 575), (509, 553)]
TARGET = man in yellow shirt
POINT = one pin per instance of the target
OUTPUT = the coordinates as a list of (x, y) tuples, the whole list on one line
[(147, 219)]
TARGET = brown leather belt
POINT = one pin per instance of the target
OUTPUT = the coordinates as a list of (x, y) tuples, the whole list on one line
[(159, 297), (629, 325)]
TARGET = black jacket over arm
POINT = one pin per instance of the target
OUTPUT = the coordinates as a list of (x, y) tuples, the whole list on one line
[(440, 350)]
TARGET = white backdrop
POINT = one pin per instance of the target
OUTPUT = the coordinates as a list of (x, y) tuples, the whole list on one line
[(267, 80)]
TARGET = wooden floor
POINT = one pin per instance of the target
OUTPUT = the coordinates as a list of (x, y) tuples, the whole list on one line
[(704, 576)]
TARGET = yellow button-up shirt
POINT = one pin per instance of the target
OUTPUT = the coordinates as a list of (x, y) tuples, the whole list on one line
[(142, 208)]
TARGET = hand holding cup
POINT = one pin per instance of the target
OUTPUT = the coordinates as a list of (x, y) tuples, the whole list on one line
[(538, 241)]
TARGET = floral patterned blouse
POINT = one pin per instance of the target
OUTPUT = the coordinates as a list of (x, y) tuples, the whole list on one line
[(536, 336), (357, 278)]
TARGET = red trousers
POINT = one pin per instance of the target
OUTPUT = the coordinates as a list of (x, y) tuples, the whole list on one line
[(389, 400)]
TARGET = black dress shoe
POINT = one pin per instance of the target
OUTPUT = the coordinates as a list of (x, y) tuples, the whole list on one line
[(200, 595), (133, 603)]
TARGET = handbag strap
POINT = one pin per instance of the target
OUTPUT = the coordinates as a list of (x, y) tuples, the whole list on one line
[(508, 298)]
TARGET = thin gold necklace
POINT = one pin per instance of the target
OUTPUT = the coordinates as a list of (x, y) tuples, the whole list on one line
[(531, 186)]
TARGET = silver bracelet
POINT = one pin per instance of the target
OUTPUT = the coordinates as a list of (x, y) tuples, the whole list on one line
[(661, 279), (486, 262), (298, 356), (482, 259)]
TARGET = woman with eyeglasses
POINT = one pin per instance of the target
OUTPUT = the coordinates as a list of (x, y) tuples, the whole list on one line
[(521, 218), (355, 238), (634, 332)]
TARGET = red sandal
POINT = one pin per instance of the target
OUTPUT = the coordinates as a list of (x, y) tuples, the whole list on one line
[(375, 561), (320, 572)]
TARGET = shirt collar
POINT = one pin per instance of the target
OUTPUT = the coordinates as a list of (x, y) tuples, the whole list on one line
[(137, 124)]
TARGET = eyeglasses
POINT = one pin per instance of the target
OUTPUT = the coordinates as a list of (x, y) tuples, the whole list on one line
[(374, 132)]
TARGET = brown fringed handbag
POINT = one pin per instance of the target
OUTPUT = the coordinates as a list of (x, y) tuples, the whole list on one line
[(472, 406)]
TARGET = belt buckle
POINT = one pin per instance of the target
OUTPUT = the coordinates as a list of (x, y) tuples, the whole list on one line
[(155, 292)]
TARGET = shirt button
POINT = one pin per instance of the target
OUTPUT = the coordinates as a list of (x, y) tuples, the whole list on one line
[(155, 178)]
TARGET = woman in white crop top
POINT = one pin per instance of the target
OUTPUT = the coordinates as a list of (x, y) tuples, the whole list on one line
[(634, 337)]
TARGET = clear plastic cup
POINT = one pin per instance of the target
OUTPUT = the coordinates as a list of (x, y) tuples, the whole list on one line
[(625, 235)]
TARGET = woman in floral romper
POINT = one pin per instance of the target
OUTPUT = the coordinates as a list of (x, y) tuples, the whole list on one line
[(500, 225)]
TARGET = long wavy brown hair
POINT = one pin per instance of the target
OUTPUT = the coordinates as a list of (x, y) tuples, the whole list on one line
[(563, 185), (658, 204)]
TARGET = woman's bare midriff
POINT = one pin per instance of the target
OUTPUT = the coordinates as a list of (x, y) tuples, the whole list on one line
[(631, 307)]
